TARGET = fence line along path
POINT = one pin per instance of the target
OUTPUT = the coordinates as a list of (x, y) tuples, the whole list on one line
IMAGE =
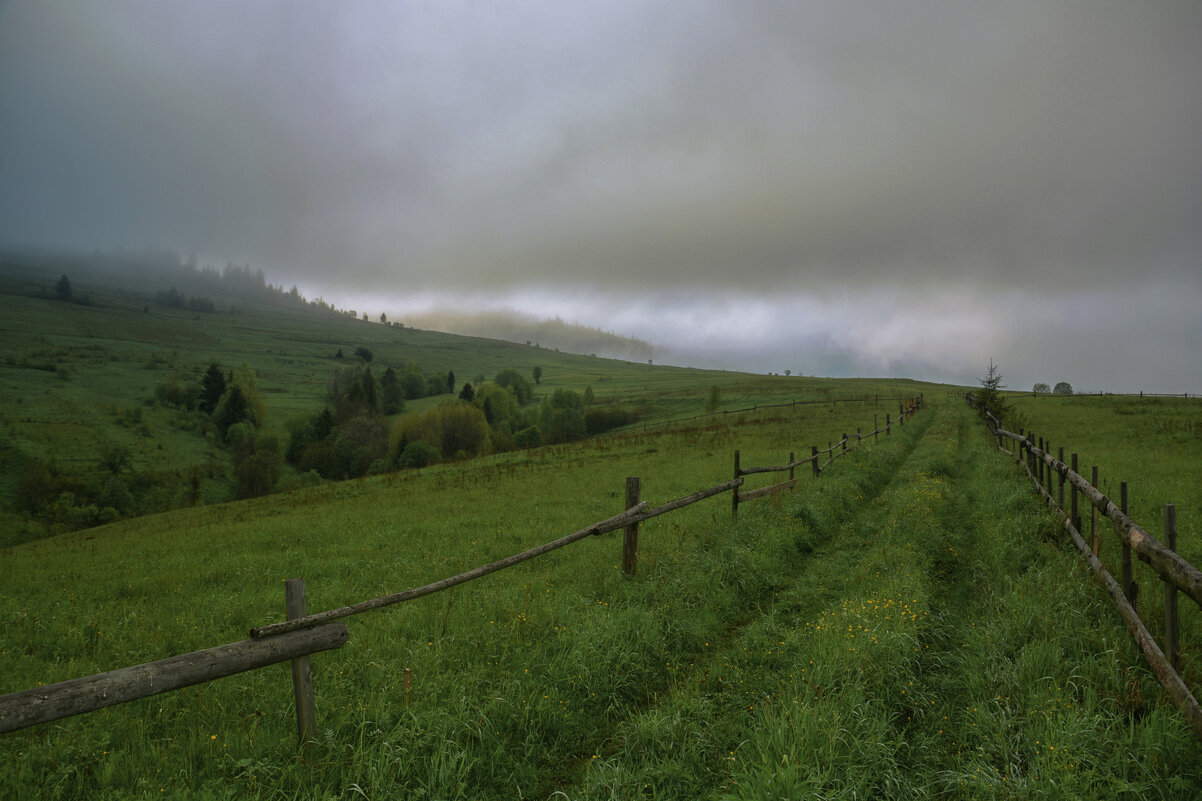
[(1177, 573), (303, 634)]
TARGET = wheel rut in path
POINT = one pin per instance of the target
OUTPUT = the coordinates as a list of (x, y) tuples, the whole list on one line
[(706, 701)]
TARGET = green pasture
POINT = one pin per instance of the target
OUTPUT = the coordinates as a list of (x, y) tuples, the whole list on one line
[(911, 624), (1154, 444), (80, 380)]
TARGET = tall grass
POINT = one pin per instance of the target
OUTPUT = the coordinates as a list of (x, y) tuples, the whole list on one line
[(908, 625)]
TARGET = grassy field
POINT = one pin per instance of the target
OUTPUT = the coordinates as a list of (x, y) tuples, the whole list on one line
[(1154, 444), (80, 380), (910, 625)]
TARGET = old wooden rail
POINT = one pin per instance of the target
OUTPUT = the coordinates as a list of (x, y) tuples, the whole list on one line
[(1178, 574), (76, 696), (303, 634), (874, 400), (834, 450)]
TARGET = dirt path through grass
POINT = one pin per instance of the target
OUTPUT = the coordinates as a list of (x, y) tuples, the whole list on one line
[(939, 643)]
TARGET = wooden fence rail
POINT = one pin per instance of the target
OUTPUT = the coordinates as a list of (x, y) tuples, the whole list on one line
[(875, 400), (834, 449), (1175, 571), (76, 696), (303, 634)]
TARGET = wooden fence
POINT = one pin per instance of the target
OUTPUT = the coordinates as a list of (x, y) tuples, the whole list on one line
[(1176, 573), (302, 634), (874, 400), (1100, 393), (833, 451)]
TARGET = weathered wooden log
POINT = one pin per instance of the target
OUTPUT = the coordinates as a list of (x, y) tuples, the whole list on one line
[(609, 524), (630, 539), (1164, 671), (634, 515), (734, 496), (1171, 645), (302, 666), (76, 696), (1166, 563), (749, 471), (687, 500), (1127, 580), (1168, 676), (769, 490)]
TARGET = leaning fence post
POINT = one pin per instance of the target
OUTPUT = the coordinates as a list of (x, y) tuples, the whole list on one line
[(1172, 651), (814, 459), (1060, 458), (1073, 513), (1039, 466), (1093, 519), (1128, 584), (630, 542), (734, 493), (302, 666), (1047, 470)]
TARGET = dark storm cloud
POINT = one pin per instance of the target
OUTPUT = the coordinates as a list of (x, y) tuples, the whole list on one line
[(622, 150)]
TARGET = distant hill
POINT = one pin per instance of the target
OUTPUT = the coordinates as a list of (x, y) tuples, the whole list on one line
[(528, 329)]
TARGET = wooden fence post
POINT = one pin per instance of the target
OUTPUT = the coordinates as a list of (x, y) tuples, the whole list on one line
[(791, 466), (845, 441), (901, 414), (1047, 473), (1060, 458), (1039, 466), (1093, 519), (876, 430), (1172, 650), (814, 459), (302, 666), (1128, 582), (887, 424), (630, 542), (734, 493), (1073, 513)]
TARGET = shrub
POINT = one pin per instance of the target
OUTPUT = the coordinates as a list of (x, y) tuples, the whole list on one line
[(418, 454), (517, 382), (566, 399), (530, 437), (597, 421), (450, 427), (256, 465), (566, 425)]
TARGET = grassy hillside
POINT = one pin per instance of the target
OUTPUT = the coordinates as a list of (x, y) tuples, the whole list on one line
[(82, 381), (909, 625), (1154, 444)]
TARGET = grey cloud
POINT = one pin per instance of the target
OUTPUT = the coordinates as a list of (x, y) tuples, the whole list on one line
[(807, 150)]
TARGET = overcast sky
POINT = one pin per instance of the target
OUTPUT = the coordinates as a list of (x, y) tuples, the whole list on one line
[(836, 188)]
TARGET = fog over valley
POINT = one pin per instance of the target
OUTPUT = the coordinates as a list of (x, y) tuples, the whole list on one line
[(852, 188)]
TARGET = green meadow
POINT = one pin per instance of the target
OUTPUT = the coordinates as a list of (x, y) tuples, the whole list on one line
[(1154, 444), (83, 381), (911, 624)]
